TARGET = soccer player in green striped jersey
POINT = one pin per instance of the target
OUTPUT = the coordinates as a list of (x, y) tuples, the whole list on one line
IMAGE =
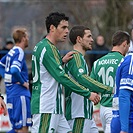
[(78, 108), (48, 75), (104, 71)]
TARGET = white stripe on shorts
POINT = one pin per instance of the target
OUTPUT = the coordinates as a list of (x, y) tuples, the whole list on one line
[(24, 112)]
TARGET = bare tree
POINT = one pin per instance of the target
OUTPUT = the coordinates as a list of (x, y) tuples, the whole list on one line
[(117, 16)]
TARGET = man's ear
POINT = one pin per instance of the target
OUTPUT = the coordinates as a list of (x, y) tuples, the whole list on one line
[(79, 39), (125, 43), (52, 27), (23, 39)]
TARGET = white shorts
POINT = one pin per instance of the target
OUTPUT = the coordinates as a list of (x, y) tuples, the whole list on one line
[(50, 123), (82, 125), (106, 117)]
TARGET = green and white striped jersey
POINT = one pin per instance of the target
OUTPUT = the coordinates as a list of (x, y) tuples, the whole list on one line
[(104, 71), (48, 74), (76, 105)]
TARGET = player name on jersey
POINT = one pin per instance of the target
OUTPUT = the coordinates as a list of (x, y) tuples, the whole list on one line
[(108, 61)]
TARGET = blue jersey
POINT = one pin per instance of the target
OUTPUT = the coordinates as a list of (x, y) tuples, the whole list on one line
[(15, 59), (123, 92)]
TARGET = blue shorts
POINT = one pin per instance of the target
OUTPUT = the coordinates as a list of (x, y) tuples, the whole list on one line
[(19, 111), (115, 125)]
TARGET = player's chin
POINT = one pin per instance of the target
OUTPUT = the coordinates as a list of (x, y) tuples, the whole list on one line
[(63, 40), (90, 48), (26, 46)]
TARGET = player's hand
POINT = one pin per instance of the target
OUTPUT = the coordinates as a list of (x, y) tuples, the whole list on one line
[(68, 56), (94, 97), (26, 84), (3, 106)]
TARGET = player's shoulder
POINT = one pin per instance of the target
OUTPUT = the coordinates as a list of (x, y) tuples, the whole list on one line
[(76, 53), (128, 58), (49, 45), (77, 56), (16, 50), (44, 46)]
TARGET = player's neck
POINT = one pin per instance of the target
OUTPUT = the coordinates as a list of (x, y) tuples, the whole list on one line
[(51, 39), (117, 49), (20, 45), (79, 49)]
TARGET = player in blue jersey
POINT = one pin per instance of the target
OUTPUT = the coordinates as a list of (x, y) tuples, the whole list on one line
[(13, 66), (122, 121)]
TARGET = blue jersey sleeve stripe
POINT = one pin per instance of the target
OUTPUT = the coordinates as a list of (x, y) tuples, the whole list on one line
[(126, 87), (16, 63), (16, 67)]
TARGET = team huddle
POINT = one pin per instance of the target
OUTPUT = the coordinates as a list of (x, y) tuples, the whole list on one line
[(110, 82)]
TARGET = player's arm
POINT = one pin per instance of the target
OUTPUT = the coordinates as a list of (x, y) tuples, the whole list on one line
[(124, 108), (76, 67), (125, 92), (2, 70), (52, 62), (15, 71), (2, 66), (16, 68)]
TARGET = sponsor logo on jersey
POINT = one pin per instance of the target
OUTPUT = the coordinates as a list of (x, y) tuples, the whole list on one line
[(127, 81)]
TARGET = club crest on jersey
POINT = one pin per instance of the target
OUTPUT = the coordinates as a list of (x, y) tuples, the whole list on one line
[(81, 70)]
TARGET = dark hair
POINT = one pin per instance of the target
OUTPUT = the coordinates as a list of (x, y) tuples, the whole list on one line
[(77, 31), (54, 19), (119, 37)]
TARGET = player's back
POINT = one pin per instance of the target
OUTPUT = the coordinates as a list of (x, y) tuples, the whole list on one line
[(104, 70)]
